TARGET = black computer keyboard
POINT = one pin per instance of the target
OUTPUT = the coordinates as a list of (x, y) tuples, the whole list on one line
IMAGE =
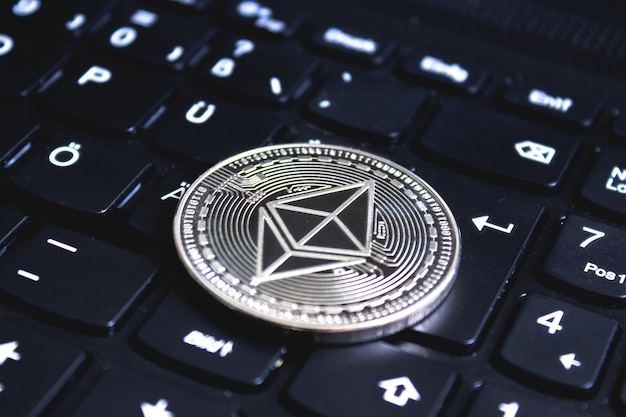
[(510, 109)]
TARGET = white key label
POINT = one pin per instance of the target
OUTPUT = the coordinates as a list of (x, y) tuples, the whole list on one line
[(65, 156)]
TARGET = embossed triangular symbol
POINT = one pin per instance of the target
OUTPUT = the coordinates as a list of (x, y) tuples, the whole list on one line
[(313, 232), (339, 219)]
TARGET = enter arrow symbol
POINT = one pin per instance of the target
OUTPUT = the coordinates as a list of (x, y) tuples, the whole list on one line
[(569, 361), (483, 221)]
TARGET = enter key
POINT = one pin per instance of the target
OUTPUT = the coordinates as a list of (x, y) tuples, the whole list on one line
[(488, 218)]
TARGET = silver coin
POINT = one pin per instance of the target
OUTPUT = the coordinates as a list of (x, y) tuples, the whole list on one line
[(332, 241)]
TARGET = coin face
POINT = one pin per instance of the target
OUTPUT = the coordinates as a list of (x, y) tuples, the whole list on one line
[(328, 240)]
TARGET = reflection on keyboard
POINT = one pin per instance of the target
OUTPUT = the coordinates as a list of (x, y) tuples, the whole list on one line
[(110, 109)]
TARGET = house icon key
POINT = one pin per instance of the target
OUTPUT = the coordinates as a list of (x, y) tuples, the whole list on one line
[(399, 391)]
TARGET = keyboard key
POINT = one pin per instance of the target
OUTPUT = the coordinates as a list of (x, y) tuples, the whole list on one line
[(17, 133), (12, 221), (622, 395), (549, 340), (191, 5), (488, 218), (586, 255), (352, 44), (269, 72), (271, 17), (500, 144), (156, 212), (606, 186), (493, 401), (619, 126), (82, 175), (67, 17), (33, 369), (208, 129), (444, 71), (359, 102), (372, 379), (27, 64), (72, 276), (157, 36), (571, 105), (188, 336), (108, 95), (121, 392)]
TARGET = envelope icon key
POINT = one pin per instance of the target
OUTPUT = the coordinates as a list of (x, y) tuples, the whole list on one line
[(314, 231)]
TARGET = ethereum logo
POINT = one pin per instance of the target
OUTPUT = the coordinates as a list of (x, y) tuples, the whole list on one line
[(314, 232)]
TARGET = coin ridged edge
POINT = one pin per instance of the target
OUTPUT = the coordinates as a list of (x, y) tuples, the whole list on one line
[(388, 321)]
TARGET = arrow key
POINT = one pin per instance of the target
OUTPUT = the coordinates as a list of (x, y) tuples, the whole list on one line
[(496, 401), (33, 369), (385, 380), (569, 361), (121, 392), (549, 341), (482, 222)]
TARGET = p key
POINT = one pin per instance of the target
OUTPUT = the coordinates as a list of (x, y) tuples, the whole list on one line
[(110, 96)]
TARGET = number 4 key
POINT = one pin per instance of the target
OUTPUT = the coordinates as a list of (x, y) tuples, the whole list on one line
[(549, 341), (552, 321)]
